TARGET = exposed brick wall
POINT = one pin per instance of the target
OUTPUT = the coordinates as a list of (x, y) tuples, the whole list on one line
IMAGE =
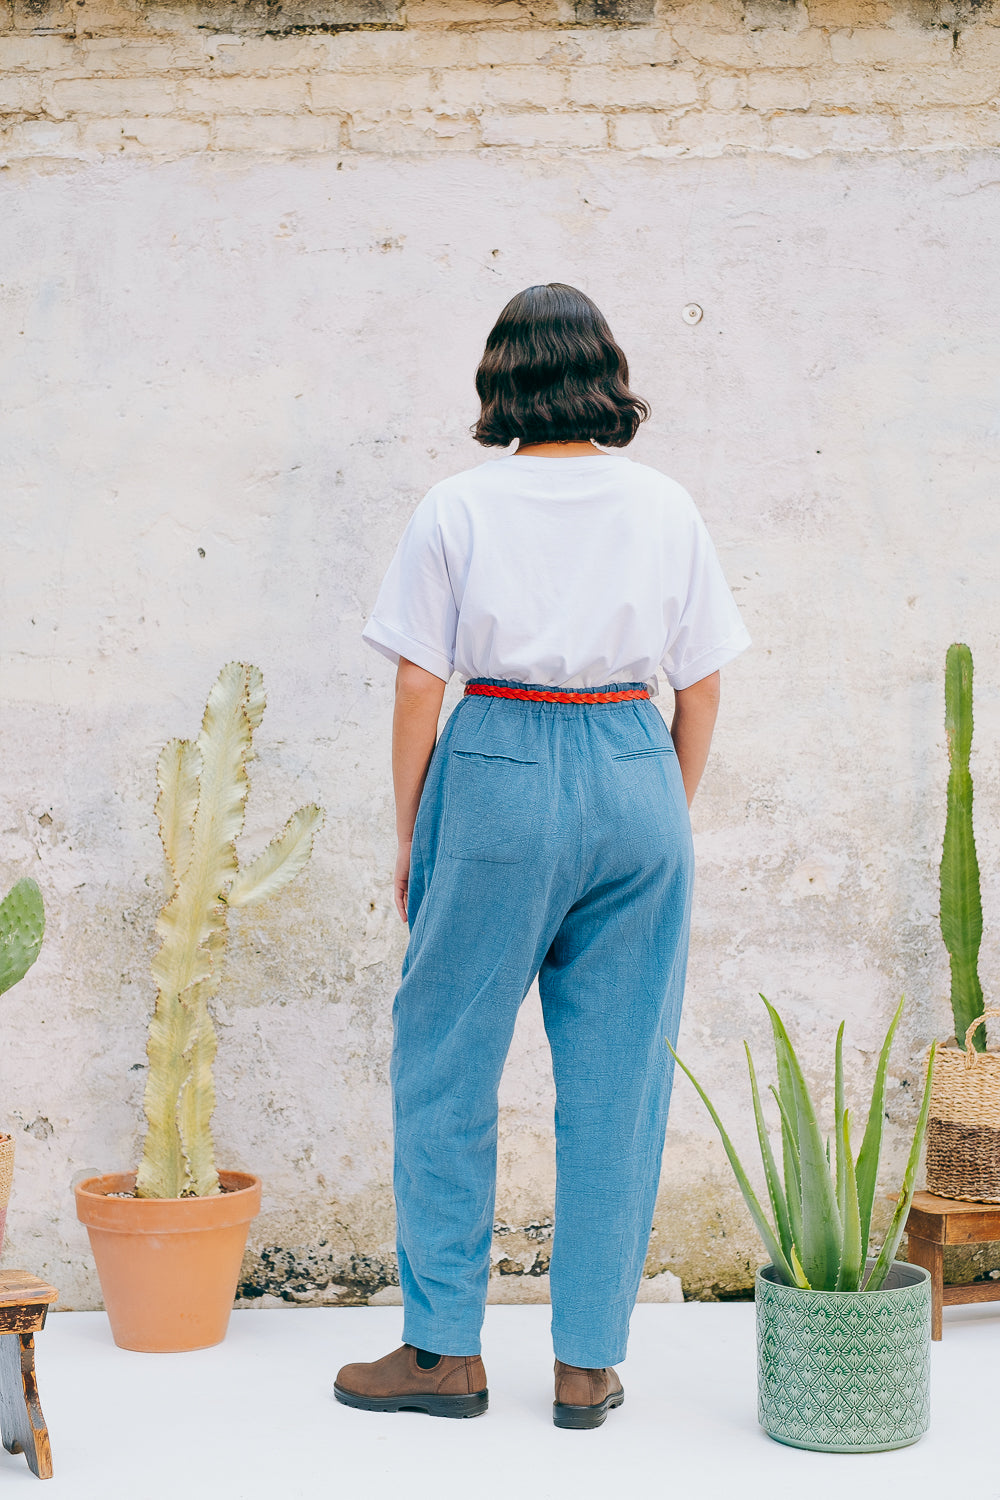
[(90, 77)]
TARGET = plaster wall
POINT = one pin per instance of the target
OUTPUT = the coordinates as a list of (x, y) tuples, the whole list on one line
[(237, 344)]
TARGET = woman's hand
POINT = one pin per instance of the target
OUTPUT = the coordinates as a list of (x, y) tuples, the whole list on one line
[(401, 878)]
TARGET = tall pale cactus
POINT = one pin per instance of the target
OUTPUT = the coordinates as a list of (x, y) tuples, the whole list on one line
[(202, 790), (961, 907), (22, 927)]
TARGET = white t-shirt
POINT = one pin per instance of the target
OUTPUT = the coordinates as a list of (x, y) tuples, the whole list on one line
[(566, 572)]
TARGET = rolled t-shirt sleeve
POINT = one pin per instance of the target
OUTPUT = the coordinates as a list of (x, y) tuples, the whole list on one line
[(708, 631), (415, 614)]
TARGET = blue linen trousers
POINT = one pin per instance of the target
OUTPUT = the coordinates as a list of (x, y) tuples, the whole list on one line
[(552, 840)]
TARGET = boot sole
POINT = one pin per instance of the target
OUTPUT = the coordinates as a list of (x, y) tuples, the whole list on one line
[(585, 1416), (433, 1406)]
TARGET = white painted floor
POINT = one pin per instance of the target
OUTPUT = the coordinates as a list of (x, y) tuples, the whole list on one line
[(255, 1418)]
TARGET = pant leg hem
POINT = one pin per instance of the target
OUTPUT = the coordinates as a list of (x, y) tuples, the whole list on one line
[(589, 1359), (440, 1341)]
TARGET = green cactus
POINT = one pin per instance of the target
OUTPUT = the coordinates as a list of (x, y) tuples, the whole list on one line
[(202, 790), (22, 927), (961, 906)]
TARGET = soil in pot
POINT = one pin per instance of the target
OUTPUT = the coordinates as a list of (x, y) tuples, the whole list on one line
[(168, 1266), (845, 1372)]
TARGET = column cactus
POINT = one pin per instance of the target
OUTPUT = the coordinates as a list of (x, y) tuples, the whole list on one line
[(22, 927), (203, 787), (961, 906)]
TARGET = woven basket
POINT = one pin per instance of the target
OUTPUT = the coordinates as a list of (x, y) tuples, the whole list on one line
[(6, 1179), (6, 1168), (963, 1131)]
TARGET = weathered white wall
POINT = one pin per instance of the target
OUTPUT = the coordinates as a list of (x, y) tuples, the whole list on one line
[(267, 354)]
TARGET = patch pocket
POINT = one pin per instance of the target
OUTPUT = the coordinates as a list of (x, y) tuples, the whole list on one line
[(489, 807), (651, 750)]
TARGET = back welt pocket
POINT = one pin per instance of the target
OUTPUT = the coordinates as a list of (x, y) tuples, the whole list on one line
[(489, 806), (644, 754)]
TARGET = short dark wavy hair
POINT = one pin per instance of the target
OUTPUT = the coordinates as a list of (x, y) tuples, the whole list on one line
[(552, 373)]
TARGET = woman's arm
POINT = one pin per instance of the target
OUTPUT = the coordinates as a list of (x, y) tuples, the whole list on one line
[(414, 731), (695, 710)]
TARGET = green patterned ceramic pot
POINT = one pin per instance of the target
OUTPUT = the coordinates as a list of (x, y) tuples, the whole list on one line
[(845, 1372)]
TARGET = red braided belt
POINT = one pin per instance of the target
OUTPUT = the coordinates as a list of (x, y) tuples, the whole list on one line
[(536, 695)]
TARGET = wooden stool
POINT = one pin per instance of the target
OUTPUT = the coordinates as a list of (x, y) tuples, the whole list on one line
[(24, 1301), (935, 1222)]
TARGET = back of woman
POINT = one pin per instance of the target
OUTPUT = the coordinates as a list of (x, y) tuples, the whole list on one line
[(546, 834), (571, 571)]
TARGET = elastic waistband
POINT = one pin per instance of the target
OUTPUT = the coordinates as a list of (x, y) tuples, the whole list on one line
[(484, 688)]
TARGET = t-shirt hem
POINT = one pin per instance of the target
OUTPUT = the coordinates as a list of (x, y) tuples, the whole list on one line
[(394, 644), (709, 662)]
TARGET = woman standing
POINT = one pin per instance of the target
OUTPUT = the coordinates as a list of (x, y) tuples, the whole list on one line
[(546, 834)]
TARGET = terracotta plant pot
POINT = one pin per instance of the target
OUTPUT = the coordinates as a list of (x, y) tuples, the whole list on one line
[(168, 1266), (6, 1178)]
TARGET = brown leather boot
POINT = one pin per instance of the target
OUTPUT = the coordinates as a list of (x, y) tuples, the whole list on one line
[(455, 1387), (584, 1397)]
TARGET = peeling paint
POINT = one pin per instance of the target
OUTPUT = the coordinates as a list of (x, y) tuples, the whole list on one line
[(314, 1277), (522, 1250)]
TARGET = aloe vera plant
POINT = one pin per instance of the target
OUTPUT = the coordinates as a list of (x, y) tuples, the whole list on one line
[(22, 927), (822, 1213), (203, 786), (961, 905)]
